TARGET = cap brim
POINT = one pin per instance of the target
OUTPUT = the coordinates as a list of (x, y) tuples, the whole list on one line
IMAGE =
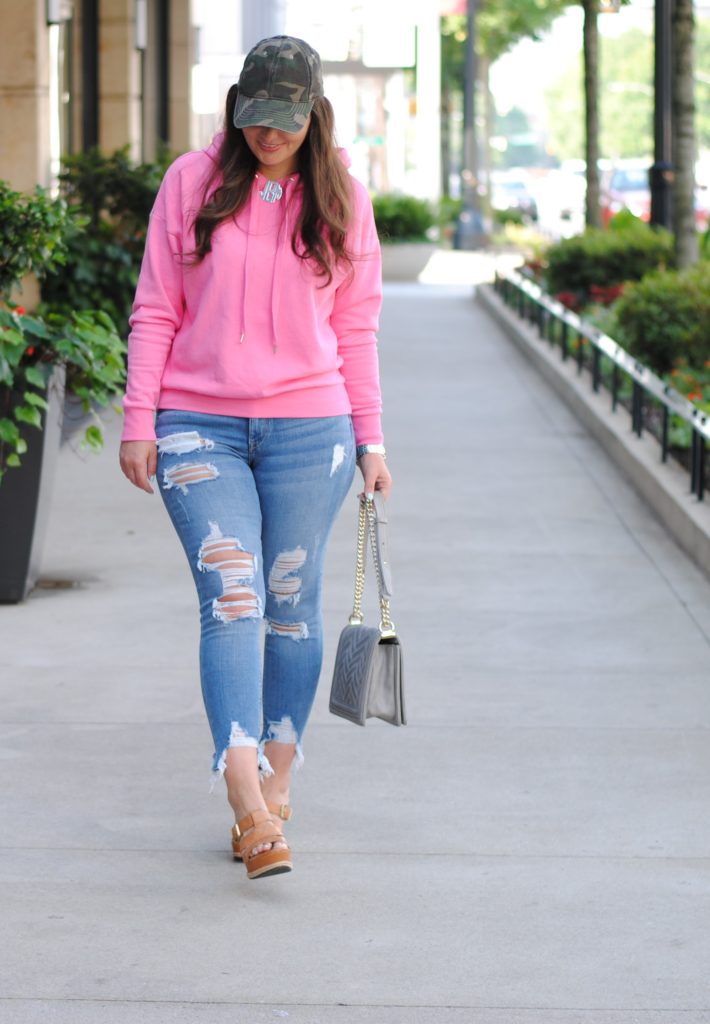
[(286, 117)]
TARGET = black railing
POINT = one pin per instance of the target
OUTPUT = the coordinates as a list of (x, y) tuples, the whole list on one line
[(654, 406)]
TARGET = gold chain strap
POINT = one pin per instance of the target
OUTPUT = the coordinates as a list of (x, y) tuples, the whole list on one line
[(366, 524)]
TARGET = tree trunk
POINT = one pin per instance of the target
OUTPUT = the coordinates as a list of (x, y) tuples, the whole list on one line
[(484, 66), (591, 111), (445, 142), (686, 241)]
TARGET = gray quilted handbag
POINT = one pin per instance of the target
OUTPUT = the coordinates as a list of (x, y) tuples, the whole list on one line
[(368, 677)]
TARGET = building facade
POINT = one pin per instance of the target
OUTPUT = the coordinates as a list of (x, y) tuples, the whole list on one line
[(76, 74)]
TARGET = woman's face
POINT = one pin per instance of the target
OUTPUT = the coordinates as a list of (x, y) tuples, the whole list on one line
[(276, 151)]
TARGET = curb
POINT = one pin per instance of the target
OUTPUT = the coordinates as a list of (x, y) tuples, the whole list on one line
[(664, 486)]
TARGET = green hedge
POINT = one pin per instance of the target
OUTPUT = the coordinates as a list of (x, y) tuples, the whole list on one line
[(110, 198), (664, 320), (606, 258), (402, 218)]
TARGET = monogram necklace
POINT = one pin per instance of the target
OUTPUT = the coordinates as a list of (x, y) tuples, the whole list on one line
[(271, 192)]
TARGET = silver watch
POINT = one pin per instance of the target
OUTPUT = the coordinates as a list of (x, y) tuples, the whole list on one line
[(370, 449)]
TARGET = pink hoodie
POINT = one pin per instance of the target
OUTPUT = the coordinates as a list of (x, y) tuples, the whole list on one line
[(251, 331)]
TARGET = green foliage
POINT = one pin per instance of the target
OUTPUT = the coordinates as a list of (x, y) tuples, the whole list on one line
[(448, 211), (86, 248), (626, 96), (402, 218), (111, 199), (704, 244), (624, 220), (626, 99), (85, 343), (32, 232), (606, 258), (663, 319), (500, 24), (502, 217), (503, 23)]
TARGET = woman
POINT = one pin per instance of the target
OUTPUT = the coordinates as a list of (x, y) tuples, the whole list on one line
[(252, 391)]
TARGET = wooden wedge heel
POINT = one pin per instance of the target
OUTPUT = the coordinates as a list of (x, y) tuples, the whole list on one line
[(256, 829), (278, 812)]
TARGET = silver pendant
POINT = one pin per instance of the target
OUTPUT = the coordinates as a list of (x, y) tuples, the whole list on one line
[(271, 192)]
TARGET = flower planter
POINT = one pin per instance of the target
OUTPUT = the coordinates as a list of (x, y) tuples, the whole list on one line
[(404, 261), (25, 494)]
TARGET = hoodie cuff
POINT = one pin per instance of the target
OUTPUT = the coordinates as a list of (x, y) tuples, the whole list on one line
[(138, 425), (368, 428)]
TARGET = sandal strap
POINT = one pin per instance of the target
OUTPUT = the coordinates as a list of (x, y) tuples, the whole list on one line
[(256, 829), (283, 811)]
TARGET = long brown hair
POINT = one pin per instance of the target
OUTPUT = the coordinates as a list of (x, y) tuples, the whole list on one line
[(320, 231)]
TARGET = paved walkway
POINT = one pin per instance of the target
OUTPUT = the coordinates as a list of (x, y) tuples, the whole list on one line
[(534, 848)]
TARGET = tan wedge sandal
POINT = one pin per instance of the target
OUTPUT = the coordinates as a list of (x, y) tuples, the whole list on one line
[(278, 812), (256, 829)]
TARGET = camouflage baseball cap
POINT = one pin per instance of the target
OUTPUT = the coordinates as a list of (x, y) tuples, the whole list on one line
[(279, 83)]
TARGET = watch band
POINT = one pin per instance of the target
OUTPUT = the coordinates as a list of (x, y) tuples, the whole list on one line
[(370, 449)]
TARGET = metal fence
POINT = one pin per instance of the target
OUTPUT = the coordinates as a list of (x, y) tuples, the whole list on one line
[(654, 406)]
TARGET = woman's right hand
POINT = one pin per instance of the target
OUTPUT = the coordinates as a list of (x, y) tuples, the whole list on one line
[(139, 461)]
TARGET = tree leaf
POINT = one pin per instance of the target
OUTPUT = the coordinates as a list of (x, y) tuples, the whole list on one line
[(9, 432), (33, 375), (94, 438), (34, 399), (28, 414)]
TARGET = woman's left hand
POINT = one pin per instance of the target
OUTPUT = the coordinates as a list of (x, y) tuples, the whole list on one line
[(375, 474)]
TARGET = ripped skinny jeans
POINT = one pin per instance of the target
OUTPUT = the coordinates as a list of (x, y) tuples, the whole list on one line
[(253, 502)]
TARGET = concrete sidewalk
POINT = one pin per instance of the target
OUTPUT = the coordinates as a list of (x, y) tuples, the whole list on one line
[(534, 848)]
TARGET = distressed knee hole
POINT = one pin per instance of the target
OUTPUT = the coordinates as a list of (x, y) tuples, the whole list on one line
[(338, 458), (281, 732), (236, 568), (180, 444), (243, 603), (185, 474), (296, 630), (284, 584)]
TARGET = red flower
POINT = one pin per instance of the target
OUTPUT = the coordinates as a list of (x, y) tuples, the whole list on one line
[(30, 351), (569, 299), (694, 395), (20, 310)]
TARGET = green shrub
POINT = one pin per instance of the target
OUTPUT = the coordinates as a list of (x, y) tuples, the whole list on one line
[(85, 344), (664, 320), (402, 218), (448, 211), (606, 258), (32, 233), (111, 199), (511, 216)]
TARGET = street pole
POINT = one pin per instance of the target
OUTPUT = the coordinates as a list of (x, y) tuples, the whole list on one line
[(469, 230), (661, 173)]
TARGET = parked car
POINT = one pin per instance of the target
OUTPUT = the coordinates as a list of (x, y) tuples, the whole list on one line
[(626, 186), (511, 191)]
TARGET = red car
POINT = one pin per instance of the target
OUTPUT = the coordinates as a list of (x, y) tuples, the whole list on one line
[(626, 187)]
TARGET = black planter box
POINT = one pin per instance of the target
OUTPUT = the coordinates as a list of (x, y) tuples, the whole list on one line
[(25, 495)]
